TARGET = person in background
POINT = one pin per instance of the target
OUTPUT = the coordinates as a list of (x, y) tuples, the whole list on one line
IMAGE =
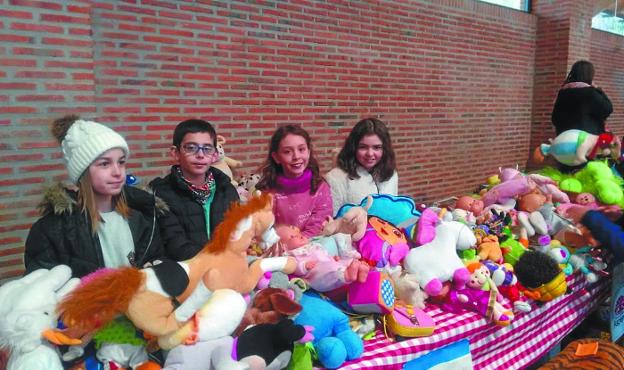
[(580, 104)]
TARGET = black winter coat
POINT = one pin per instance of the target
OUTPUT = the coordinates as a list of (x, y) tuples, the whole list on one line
[(581, 108), (183, 227), (63, 235)]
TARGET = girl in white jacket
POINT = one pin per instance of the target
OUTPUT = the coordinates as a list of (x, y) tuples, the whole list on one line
[(365, 165)]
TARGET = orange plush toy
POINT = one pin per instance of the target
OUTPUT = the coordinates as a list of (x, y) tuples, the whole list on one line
[(489, 249), (147, 296)]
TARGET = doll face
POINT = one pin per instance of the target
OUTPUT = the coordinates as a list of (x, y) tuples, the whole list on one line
[(531, 202), (387, 231), (291, 237), (470, 204), (585, 198), (479, 278)]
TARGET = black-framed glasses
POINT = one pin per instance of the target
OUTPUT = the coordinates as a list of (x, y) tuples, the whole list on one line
[(194, 149)]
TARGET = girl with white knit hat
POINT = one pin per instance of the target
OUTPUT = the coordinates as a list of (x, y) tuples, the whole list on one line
[(103, 223)]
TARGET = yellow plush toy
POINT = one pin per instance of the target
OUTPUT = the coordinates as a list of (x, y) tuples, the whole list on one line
[(225, 163)]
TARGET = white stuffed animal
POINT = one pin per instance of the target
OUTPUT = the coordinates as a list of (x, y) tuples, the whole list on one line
[(437, 261), (28, 313)]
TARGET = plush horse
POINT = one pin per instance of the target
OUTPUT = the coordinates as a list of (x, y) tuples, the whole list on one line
[(148, 297), (437, 261)]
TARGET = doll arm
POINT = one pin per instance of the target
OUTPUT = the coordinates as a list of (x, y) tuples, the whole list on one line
[(233, 163)]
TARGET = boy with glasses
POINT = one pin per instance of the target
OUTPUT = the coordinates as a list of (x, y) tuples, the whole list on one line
[(197, 194)]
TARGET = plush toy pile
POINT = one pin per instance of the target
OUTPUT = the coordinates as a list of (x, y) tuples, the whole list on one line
[(497, 253)]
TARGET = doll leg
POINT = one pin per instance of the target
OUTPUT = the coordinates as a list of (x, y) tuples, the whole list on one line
[(501, 315)]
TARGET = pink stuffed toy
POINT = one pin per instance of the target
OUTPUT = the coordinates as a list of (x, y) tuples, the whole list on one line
[(481, 296), (321, 271), (514, 183), (383, 244)]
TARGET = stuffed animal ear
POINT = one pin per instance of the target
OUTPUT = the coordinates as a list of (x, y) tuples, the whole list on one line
[(262, 300), (283, 304)]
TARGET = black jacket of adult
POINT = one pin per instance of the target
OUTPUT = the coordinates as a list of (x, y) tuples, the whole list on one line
[(183, 227), (581, 108), (63, 235)]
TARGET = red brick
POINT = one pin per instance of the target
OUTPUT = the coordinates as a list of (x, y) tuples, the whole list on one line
[(63, 19), (43, 28)]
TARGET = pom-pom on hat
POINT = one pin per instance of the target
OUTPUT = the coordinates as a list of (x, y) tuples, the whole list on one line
[(83, 142)]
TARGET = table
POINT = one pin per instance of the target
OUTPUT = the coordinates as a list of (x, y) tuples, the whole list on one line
[(528, 338)]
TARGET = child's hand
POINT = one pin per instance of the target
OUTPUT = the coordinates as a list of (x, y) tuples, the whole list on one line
[(310, 265)]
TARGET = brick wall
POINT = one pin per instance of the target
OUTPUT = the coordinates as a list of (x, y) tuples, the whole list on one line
[(452, 78), (607, 54)]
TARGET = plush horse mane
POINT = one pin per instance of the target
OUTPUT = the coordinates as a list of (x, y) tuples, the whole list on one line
[(89, 306), (232, 217)]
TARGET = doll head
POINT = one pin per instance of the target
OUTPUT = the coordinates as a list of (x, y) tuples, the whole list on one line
[(585, 199), (291, 237), (479, 276), (531, 202), (468, 203)]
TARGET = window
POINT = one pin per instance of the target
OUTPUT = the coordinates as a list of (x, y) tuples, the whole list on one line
[(514, 4), (609, 19)]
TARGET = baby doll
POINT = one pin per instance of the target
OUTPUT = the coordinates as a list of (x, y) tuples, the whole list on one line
[(321, 271), (468, 209), (530, 218)]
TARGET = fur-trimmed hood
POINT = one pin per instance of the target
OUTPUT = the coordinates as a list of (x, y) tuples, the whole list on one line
[(59, 199)]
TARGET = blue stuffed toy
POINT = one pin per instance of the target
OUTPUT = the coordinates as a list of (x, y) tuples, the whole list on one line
[(334, 341)]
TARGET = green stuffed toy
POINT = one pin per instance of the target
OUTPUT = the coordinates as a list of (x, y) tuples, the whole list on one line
[(596, 178)]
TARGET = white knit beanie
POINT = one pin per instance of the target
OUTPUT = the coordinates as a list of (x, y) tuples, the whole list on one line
[(84, 142)]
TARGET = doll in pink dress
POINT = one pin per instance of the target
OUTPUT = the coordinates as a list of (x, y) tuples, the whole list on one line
[(321, 271), (481, 296)]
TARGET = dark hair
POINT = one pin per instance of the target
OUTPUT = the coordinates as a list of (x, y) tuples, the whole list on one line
[(271, 169), (191, 126), (581, 71), (347, 160)]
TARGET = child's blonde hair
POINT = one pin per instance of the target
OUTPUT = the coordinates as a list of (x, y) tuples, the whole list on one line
[(87, 204)]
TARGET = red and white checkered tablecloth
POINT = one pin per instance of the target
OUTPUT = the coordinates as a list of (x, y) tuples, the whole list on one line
[(528, 338)]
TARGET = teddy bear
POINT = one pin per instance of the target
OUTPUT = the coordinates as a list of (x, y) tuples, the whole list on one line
[(225, 163), (28, 318)]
